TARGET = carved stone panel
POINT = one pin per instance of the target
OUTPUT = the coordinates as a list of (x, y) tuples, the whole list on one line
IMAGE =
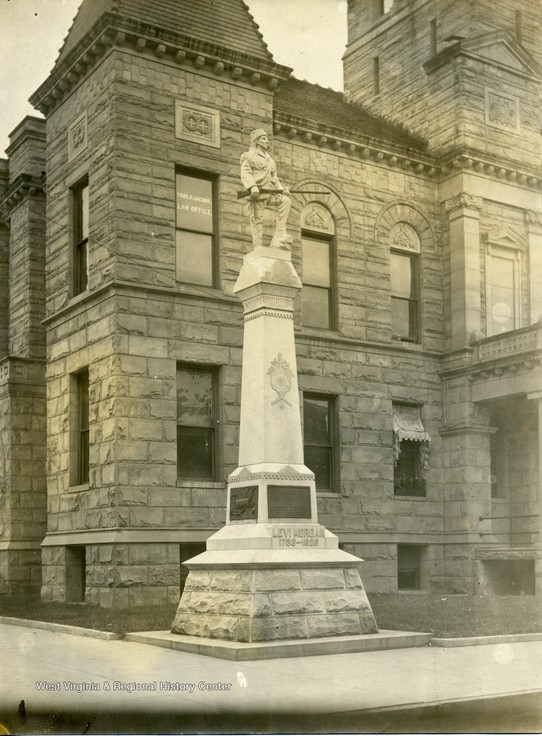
[(77, 137), (502, 111), (197, 124)]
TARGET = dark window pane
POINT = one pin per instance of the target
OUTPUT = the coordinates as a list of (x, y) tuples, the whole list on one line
[(195, 451), (404, 319), (316, 421), (83, 457), (315, 304), (316, 262), (408, 567), (194, 258), (195, 398), (194, 203), (84, 212), (81, 267), (318, 459), (83, 428), (408, 580)]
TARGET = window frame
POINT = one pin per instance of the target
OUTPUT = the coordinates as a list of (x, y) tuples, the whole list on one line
[(334, 447), (417, 569), (414, 258), (79, 429), (80, 210), (214, 235), (213, 371), (329, 239), (418, 487)]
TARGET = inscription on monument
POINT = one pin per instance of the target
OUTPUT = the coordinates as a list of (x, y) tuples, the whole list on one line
[(289, 502), (298, 536), (244, 503)]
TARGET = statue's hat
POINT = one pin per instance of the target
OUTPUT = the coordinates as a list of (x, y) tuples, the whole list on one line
[(257, 134)]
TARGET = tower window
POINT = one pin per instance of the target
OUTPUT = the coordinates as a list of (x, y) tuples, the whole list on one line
[(195, 233), (80, 215), (196, 421), (376, 75)]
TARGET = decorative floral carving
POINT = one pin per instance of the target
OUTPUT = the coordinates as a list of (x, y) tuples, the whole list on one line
[(316, 217), (501, 111), (464, 201), (197, 123), (404, 237), (280, 378)]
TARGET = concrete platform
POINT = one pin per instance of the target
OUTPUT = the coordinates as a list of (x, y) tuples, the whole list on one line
[(239, 651)]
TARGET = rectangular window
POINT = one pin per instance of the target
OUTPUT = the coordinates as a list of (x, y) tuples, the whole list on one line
[(196, 423), (195, 233), (411, 448), (317, 292), (376, 75), (75, 574), (404, 297), (319, 440), (407, 478), (433, 36), (83, 447), (409, 558), (503, 290), (80, 211)]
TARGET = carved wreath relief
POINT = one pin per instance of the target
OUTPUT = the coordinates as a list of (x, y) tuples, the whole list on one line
[(280, 378)]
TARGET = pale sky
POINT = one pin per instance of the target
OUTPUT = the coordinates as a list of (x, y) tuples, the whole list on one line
[(308, 35)]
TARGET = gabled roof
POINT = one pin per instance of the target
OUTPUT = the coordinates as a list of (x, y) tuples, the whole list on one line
[(327, 109), (226, 23), (497, 47)]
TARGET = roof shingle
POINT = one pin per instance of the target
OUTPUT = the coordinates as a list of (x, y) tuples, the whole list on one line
[(226, 23)]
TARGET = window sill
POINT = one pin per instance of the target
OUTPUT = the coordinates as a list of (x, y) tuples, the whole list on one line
[(77, 488), (197, 291), (404, 497), (328, 494), (417, 591), (407, 345)]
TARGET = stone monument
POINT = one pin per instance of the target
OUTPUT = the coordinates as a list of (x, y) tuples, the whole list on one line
[(272, 572)]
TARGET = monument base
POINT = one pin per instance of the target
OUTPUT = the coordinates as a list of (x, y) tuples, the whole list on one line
[(269, 595)]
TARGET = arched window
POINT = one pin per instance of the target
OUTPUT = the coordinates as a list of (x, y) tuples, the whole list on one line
[(317, 263), (405, 283)]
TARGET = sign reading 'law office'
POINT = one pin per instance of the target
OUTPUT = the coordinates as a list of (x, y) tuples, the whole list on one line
[(194, 204)]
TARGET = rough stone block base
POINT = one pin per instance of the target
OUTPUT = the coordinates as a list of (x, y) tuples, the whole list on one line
[(252, 605), (20, 571)]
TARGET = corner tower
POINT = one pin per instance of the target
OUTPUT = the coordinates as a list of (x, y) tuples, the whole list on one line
[(146, 110), (463, 75)]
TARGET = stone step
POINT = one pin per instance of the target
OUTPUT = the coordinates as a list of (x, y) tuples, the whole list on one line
[(385, 639)]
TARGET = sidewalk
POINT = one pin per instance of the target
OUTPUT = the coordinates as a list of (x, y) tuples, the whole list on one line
[(76, 684)]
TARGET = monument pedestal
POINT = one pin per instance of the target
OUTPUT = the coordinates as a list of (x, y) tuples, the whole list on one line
[(273, 572)]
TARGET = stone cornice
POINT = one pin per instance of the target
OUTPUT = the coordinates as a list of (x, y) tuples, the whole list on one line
[(398, 157), (364, 147), (114, 31), (24, 186), (499, 170)]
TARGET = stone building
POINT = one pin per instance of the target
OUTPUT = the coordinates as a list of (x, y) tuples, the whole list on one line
[(417, 228)]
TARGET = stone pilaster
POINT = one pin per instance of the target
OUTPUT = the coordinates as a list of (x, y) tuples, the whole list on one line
[(464, 218), (534, 230)]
